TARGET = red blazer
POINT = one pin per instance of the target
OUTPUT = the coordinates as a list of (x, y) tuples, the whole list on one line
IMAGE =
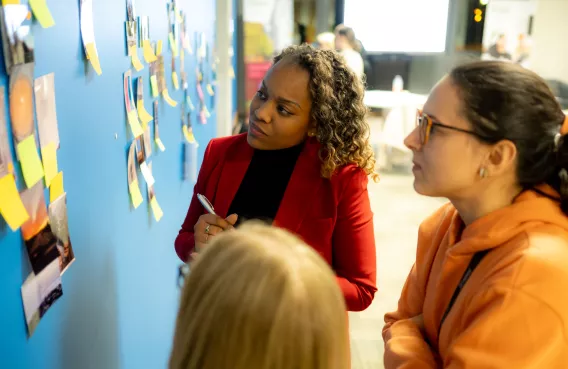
[(332, 215)]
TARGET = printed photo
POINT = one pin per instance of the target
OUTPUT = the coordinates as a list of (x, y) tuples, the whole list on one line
[(130, 10), (39, 293), (60, 227), (156, 123), (161, 73), (40, 241), (46, 113), (127, 92), (140, 154), (21, 101), (6, 165), (147, 142), (17, 37), (131, 165), (131, 34), (144, 24)]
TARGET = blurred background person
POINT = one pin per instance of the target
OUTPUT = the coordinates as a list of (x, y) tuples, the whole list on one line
[(325, 41), (350, 48), (260, 298)]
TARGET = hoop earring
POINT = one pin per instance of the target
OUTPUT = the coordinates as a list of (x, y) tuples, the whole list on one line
[(482, 172)]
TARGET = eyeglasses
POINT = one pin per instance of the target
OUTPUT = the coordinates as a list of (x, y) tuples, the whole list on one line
[(425, 124)]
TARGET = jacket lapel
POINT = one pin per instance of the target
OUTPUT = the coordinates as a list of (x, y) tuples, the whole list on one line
[(237, 161), (303, 186)]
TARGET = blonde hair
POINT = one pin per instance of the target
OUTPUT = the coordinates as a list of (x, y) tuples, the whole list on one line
[(259, 298)]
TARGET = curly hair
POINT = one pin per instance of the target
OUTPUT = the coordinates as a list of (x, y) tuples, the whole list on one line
[(337, 109)]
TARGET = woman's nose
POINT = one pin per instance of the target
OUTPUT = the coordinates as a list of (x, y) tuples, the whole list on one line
[(263, 112), (412, 141)]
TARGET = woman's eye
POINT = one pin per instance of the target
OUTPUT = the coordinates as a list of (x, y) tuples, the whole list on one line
[(283, 111), (261, 95)]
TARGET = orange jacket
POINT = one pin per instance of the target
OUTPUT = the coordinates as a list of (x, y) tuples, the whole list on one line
[(513, 310)]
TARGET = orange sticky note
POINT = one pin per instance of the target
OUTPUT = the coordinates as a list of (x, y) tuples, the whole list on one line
[(49, 158), (134, 123), (11, 206), (149, 56), (168, 99), (56, 188), (136, 63), (31, 163), (156, 209), (93, 57)]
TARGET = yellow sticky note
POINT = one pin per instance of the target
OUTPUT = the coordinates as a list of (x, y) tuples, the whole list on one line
[(137, 130), (171, 102), (159, 47), (156, 209), (31, 163), (209, 89), (135, 194), (93, 57), (160, 144), (144, 116), (10, 2), (188, 135), (154, 83), (11, 206), (148, 52), (182, 55), (49, 158), (173, 45), (136, 63), (42, 13), (175, 80), (56, 188)]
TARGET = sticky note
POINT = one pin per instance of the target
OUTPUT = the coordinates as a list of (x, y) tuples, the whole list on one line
[(156, 209), (10, 2), (31, 163), (42, 13), (168, 99), (11, 206), (159, 47), (189, 103), (206, 112), (93, 57), (188, 135), (49, 158), (160, 144), (56, 188), (173, 45), (209, 89), (144, 116), (182, 55), (137, 130), (135, 194), (136, 63), (175, 80), (148, 52), (154, 83), (147, 173)]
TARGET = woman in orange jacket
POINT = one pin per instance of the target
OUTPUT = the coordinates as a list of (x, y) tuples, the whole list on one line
[(489, 288)]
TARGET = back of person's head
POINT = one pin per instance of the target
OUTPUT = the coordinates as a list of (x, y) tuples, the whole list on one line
[(348, 35), (338, 110), (505, 101), (258, 297)]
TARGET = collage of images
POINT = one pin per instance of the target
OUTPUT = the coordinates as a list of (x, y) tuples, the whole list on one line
[(32, 195), (44, 226)]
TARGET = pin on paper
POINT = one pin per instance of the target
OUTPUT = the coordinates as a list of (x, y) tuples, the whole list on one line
[(88, 35)]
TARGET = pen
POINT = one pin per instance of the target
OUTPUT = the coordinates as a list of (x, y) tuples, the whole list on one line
[(206, 204)]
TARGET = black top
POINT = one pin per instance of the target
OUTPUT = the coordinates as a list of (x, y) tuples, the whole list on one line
[(264, 184)]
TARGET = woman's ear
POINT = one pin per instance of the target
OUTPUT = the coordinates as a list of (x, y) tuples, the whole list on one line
[(502, 157)]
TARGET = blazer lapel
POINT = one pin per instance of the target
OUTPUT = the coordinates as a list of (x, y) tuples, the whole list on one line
[(303, 186), (233, 171)]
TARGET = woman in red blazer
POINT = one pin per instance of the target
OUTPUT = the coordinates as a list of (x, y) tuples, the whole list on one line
[(302, 166)]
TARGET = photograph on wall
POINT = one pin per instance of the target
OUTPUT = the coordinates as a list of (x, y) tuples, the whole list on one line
[(161, 73), (60, 227), (40, 241), (147, 138), (17, 37), (144, 24), (140, 153), (46, 113), (130, 10), (131, 35), (131, 164), (21, 102), (6, 164), (39, 292)]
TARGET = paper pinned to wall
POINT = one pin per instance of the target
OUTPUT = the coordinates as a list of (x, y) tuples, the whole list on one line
[(133, 188), (171, 102), (56, 188), (149, 55), (17, 35), (157, 138), (11, 206), (173, 45), (131, 111), (156, 209), (143, 114), (175, 80), (209, 89), (44, 91), (136, 63), (59, 225), (131, 36), (30, 161), (147, 174), (6, 164), (88, 35), (42, 13)]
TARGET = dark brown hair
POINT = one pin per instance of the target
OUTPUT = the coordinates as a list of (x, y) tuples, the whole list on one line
[(337, 109), (504, 101)]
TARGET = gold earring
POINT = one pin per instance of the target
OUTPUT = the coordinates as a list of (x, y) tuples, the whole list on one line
[(482, 172), (311, 134)]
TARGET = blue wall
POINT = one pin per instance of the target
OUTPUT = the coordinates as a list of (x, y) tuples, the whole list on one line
[(120, 296)]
